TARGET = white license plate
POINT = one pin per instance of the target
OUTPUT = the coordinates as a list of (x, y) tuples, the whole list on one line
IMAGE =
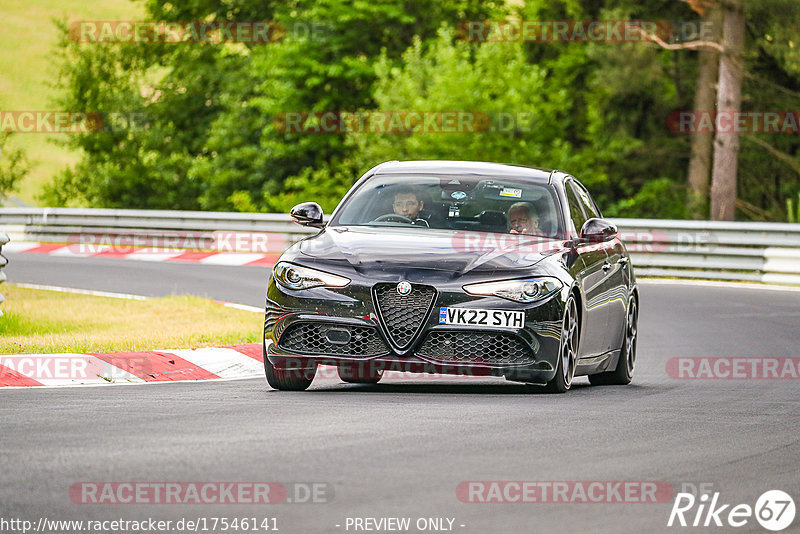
[(483, 318)]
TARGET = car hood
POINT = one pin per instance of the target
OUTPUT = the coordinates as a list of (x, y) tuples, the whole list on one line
[(457, 252)]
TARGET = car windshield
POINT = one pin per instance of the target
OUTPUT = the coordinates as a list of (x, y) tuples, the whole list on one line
[(454, 202)]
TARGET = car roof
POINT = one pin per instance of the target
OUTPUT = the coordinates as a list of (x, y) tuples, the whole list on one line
[(464, 167)]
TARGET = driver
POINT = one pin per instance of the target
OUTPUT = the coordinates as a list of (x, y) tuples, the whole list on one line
[(408, 203), (523, 219)]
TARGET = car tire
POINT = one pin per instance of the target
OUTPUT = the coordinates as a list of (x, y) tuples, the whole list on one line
[(623, 374), (287, 379), (567, 350), (360, 373)]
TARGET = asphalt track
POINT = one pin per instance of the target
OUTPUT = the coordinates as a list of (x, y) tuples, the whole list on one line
[(401, 448)]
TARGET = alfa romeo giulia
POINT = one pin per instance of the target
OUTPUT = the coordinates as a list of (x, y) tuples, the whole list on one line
[(460, 268)]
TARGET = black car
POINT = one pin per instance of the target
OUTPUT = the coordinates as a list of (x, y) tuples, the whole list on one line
[(455, 268)]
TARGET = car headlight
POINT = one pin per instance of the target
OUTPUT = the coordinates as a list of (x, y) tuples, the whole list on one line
[(296, 277), (527, 290)]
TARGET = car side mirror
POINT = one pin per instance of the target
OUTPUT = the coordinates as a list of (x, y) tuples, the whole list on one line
[(597, 230), (307, 214)]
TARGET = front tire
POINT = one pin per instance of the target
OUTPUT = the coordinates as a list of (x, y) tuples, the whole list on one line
[(623, 374), (567, 350), (287, 379)]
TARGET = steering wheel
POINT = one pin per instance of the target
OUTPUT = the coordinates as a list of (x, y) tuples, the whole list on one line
[(393, 217)]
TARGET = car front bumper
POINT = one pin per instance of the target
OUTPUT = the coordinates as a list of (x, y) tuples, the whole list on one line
[(332, 326)]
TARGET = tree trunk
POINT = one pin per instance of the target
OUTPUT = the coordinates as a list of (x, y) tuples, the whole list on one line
[(729, 97), (704, 99)]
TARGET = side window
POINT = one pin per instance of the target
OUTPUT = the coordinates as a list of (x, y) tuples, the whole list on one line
[(589, 207), (575, 210)]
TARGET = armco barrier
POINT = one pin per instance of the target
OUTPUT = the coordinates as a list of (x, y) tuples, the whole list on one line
[(760, 252), (58, 225), (741, 251), (3, 262)]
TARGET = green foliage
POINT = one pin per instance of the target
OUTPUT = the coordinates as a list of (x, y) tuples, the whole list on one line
[(205, 134), (205, 138), (661, 198), (330, 67), (530, 117), (13, 165), (792, 213)]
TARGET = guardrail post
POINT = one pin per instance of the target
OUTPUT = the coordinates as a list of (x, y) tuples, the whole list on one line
[(3, 261)]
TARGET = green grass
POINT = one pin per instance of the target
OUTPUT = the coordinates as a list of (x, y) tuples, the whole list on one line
[(41, 321), (30, 73)]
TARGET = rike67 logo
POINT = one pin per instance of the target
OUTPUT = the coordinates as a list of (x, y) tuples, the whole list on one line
[(774, 510)]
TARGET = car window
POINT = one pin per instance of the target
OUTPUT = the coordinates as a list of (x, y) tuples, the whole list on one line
[(575, 209), (589, 207), (452, 202)]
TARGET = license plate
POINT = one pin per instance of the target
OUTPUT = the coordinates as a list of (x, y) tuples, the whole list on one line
[(483, 318)]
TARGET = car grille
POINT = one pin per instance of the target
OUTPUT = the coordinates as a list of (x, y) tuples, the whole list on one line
[(312, 338), (402, 315), (475, 347)]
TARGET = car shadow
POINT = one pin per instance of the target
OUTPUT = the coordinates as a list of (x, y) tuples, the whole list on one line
[(465, 388)]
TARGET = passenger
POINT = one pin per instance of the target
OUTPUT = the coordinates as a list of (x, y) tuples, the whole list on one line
[(523, 219)]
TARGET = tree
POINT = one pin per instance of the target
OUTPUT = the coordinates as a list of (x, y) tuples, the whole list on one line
[(705, 97), (204, 135), (729, 99), (13, 165), (769, 64), (206, 118)]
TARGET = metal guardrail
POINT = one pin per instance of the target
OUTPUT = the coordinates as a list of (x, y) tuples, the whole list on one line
[(739, 251), (159, 228), (58, 224), (762, 252), (3, 261)]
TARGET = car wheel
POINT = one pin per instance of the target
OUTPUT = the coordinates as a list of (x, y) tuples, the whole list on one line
[(623, 374), (567, 350), (287, 379), (360, 373)]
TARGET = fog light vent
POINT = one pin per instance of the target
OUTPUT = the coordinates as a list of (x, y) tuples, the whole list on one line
[(338, 336)]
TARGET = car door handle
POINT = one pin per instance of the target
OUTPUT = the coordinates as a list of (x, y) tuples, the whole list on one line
[(606, 267), (623, 261)]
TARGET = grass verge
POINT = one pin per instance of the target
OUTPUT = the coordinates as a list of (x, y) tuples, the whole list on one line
[(30, 75), (40, 321)]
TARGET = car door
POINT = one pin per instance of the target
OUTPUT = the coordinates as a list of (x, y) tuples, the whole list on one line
[(615, 284), (591, 258)]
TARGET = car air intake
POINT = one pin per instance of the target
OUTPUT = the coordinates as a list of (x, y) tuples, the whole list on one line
[(334, 339), (402, 316), (463, 346)]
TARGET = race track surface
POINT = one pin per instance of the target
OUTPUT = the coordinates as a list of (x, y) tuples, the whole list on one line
[(400, 449)]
